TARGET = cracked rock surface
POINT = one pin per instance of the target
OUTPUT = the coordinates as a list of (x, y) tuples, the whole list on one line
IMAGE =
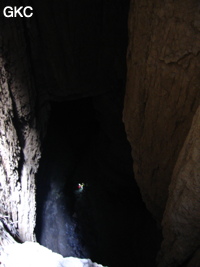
[(162, 91), (19, 139)]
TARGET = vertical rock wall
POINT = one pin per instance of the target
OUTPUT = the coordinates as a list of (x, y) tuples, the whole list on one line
[(19, 140), (162, 118), (162, 90), (181, 222)]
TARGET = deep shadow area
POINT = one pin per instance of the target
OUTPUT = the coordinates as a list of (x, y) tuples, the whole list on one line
[(88, 204), (105, 220)]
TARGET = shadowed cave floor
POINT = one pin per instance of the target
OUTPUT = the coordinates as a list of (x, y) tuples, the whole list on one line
[(107, 221)]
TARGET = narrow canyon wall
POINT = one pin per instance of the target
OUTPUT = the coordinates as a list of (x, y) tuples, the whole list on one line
[(162, 116), (181, 221), (19, 139), (162, 90)]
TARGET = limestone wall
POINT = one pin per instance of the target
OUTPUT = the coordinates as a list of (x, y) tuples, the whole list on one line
[(162, 100), (181, 220), (19, 139), (162, 90)]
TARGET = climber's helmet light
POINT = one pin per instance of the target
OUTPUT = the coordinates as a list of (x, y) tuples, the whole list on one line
[(81, 186)]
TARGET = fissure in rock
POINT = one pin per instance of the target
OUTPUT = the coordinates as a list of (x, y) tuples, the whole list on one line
[(88, 202)]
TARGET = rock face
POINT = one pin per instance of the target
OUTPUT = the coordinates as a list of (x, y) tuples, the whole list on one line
[(182, 215), (19, 142), (162, 100), (162, 90)]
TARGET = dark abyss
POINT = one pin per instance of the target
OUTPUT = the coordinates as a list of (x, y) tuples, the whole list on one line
[(76, 51)]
